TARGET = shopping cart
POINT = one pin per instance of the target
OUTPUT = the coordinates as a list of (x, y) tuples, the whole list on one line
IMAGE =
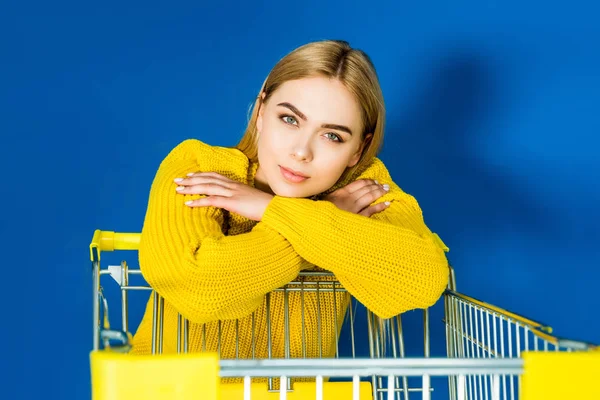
[(491, 353)]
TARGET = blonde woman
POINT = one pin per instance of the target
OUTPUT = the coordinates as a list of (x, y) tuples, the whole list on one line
[(303, 188)]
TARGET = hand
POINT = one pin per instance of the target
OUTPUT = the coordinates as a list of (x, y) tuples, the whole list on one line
[(358, 196), (225, 193)]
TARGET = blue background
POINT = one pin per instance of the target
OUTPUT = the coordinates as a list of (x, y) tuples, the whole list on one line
[(492, 124)]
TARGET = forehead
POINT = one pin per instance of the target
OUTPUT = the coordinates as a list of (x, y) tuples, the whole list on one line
[(322, 100)]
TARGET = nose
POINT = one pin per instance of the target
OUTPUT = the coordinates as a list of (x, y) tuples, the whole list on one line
[(301, 150)]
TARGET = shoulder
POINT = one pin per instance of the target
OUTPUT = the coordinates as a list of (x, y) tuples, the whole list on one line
[(376, 169), (230, 162)]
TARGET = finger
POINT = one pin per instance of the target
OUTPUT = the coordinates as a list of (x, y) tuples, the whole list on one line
[(357, 194), (379, 207), (367, 196), (203, 179), (209, 201), (209, 189), (360, 184), (209, 174)]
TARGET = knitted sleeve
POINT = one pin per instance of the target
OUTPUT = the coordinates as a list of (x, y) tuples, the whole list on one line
[(391, 262), (187, 259)]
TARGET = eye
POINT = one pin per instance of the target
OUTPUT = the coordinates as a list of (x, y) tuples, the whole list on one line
[(333, 137), (288, 119)]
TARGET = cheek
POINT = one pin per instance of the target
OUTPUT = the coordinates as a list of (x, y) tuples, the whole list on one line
[(272, 140), (330, 164)]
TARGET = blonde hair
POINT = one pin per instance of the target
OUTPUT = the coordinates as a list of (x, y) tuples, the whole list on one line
[(332, 59)]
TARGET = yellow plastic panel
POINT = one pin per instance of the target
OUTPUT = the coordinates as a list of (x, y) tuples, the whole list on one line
[(561, 375), (302, 391), (118, 376)]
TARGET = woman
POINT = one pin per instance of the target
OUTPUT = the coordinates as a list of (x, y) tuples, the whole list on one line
[(303, 188)]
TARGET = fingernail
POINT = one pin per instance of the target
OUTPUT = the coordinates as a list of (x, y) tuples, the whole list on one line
[(178, 180), (179, 188), (387, 203), (386, 187), (191, 173), (187, 203), (376, 182)]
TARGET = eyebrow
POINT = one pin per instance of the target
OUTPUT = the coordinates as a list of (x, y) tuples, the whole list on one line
[(337, 127)]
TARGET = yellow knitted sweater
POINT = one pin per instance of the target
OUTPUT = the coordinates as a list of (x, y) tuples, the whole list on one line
[(215, 267)]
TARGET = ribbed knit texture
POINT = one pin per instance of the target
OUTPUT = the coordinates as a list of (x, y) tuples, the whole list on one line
[(213, 266)]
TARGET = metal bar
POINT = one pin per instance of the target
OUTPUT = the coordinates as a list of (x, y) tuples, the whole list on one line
[(253, 335), (96, 303), (161, 325), (371, 351), (237, 339), (352, 327), (487, 323), (510, 354), (308, 288), (283, 387), (179, 329), (219, 339), (461, 387), (502, 354), (355, 387), (471, 333), (247, 387), (519, 351), (426, 331), (483, 350), (394, 349), (495, 387), (319, 323), (365, 367), (286, 324), (335, 319), (426, 385), (472, 386), (378, 347), (402, 354), (491, 307), (155, 323), (495, 334), (390, 387), (269, 343), (449, 341), (186, 335), (462, 324), (478, 346), (319, 387), (124, 302), (303, 327)]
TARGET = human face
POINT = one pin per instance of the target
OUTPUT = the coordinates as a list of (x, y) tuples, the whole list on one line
[(310, 131)]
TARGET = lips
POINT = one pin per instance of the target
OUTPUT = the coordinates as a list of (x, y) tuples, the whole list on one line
[(292, 176), (295, 172)]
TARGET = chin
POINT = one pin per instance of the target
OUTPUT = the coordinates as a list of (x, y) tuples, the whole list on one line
[(286, 190), (294, 193)]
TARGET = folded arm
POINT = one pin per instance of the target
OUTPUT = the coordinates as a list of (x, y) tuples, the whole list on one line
[(391, 262), (187, 259)]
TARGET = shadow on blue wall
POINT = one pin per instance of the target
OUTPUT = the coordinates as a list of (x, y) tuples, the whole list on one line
[(436, 140)]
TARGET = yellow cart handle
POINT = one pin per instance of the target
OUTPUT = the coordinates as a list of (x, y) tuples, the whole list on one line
[(111, 241)]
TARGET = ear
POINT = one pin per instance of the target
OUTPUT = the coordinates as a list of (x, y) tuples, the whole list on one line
[(259, 118), (363, 145)]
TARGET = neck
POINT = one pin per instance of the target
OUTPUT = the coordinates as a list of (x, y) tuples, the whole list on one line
[(260, 182)]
